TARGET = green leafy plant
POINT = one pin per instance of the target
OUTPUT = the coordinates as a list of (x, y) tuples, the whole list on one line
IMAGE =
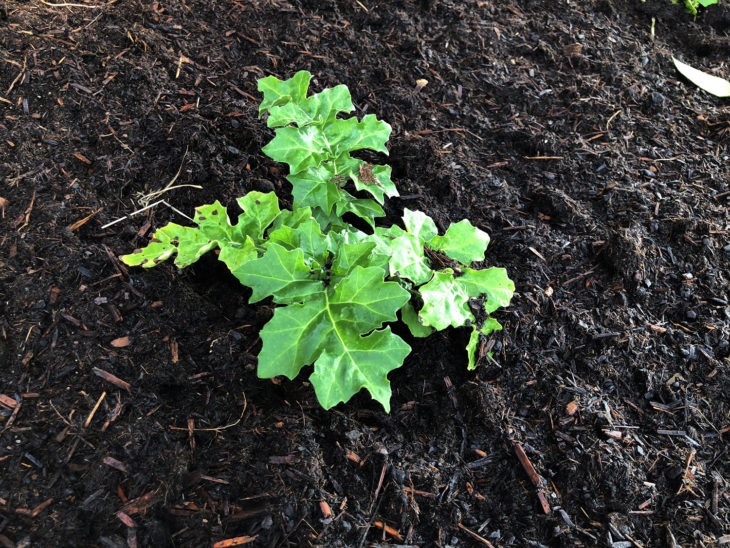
[(336, 286)]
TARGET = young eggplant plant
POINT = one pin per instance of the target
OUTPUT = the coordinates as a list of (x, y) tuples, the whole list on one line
[(335, 285)]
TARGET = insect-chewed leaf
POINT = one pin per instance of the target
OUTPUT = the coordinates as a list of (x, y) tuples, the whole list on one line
[(213, 221), (462, 242), (471, 349), (489, 326), (279, 92), (189, 244), (293, 338), (445, 302), (492, 282), (352, 363), (259, 211), (419, 224), (374, 179), (320, 108), (301, 148), (279, 273), (410, 317)]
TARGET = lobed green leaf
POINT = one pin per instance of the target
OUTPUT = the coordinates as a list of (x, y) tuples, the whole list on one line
[(280, 92), (462, 242)]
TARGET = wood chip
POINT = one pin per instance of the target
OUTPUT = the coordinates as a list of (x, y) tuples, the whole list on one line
[(7, 401), (126, 520), (140, 504), (82, 158), (114, 463), (121, 342)]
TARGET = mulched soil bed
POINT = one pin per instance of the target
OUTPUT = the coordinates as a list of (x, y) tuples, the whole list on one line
[(130, 410)]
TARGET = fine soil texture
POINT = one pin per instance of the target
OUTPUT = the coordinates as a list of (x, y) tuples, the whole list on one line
[(130, 409)]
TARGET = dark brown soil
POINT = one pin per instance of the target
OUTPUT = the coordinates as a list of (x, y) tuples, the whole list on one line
[(561, 128)]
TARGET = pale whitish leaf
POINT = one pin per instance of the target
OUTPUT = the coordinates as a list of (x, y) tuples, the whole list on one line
[(711, 84), (280, 273), (279, 92), (445, 303), (318, 109), (492, 282), (407, 259), (462, 242), (419, 224), (409, 316)]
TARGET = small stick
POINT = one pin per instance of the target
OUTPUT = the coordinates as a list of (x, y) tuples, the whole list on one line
[(93, 411), (475, 536), (533, 475)]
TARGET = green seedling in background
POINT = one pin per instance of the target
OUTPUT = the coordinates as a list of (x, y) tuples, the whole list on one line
[(335, 285)]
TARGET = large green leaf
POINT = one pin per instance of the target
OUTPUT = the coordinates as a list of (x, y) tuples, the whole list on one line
[(235, 254), (492, 282), (345, 136), (351, 255), (293, 338), (462, 242), (352, 363), (280, 273), (332, 328), (363, 301), (445, 302)]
